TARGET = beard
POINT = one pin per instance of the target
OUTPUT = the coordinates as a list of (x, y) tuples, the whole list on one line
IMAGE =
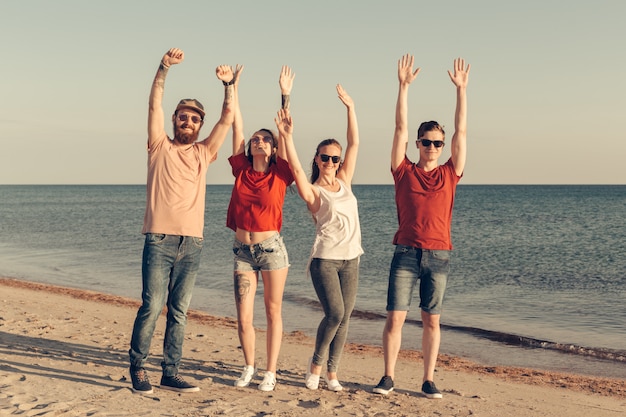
[(184, 137)]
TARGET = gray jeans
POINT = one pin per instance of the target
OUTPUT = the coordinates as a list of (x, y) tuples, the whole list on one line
[(336, 284)]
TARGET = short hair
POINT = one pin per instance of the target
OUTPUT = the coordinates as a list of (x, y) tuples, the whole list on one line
[(428, 127)]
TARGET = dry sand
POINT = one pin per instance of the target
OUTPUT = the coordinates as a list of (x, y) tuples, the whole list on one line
[(63, 352)]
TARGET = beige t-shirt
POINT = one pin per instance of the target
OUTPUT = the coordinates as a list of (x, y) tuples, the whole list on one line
[(176, 188)]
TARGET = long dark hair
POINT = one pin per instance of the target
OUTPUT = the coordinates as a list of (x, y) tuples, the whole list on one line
[(315, 171), (274, 146)]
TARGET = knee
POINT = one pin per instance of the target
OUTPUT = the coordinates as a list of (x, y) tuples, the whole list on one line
[(430, 321), (335, 317)]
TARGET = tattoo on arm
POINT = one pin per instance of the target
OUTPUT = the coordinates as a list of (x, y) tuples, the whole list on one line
[(242, 287), (285, 101)]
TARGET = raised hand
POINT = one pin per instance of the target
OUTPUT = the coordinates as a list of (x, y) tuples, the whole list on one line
[(406, 75), (173, 56), (224, 73), (284, 122), (238, 71), (460, 75), (285, 81), (344, 97)]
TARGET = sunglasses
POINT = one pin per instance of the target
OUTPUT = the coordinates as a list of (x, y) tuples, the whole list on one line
[(427, 142), (325, 158), (257, 139), (185, 117)]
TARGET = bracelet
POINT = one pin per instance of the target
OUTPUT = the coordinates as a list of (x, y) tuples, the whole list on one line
[(231, 82), (165, 66)]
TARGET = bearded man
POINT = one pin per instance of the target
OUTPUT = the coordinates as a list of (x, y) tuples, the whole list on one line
[(174, 222)]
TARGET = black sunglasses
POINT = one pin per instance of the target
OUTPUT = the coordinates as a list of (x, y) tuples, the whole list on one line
[(325, 158), (427, 142), (184, 117)]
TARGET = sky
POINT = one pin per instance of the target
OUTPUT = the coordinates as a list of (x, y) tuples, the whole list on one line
[(546, 93)]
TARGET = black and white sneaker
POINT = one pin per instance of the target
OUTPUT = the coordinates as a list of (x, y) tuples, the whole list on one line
[(141, 383), (430, 390), (177, 383), (385, 386)]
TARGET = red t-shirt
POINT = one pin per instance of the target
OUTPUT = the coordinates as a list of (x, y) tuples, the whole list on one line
[(424, 202), (256, 203)]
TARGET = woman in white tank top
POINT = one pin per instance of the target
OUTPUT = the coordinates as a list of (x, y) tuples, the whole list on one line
[(334, 263)]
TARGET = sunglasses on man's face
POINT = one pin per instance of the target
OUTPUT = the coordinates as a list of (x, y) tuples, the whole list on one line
[(185, 117), (325, 158), (426, 143)]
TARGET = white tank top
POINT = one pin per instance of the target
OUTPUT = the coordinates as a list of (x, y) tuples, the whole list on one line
[(338, 232)]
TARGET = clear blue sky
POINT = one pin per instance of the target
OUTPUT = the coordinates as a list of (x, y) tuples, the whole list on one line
[(547, 90)]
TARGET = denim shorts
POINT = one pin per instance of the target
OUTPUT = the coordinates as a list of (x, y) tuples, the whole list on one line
[(267, 255), (430, 267)]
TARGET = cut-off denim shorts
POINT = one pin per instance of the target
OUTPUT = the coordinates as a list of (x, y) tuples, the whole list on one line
[(268, 255), (430, 267)]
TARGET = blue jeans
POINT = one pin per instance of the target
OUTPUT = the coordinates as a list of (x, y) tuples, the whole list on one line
[(430, 267), (169, 268), (335, 283)]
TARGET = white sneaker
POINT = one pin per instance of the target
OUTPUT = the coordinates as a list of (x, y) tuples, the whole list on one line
[(333, 385), (246, 376), (311, 381), (269, 382)]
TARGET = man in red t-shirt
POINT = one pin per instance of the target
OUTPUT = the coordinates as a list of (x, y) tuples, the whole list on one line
[(424, 202)]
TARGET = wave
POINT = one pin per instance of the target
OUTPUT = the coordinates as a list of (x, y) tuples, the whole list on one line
[(613, 355)]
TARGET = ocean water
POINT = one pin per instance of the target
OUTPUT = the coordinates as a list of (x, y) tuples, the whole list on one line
[(538, 273)]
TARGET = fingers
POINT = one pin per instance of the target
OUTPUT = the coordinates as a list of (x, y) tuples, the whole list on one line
[(406, 61), (283, 119), (175, 53), (286, 74)]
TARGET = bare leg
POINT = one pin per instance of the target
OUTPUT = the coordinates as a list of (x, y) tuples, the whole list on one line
[(274, 287), (245, 288), (431, 339), (392, 339)]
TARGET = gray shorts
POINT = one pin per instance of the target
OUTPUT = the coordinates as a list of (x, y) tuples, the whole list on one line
[(267, 255), (430, 267)]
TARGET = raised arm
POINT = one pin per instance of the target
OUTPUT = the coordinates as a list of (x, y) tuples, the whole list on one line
[(346, 172), (216, 138), (460, 78), (307, 191), (406, 75), (239, 141), (156, 117), (285, 81)]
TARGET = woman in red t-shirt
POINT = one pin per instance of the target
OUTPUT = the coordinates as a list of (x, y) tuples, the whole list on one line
[(262, 175)]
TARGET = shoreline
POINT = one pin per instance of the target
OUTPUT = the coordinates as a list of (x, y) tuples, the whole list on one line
[(43, 324)]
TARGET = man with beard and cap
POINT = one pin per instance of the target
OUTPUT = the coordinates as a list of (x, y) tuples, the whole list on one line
[(174, 221)]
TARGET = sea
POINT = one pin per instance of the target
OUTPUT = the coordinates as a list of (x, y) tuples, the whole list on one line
[(538, 274)]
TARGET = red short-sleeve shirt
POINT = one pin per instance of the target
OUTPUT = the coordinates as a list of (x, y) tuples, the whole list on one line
[(424, 202), (256, 203)]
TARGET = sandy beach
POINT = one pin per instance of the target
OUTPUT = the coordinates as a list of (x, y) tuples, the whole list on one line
[(63, 352)]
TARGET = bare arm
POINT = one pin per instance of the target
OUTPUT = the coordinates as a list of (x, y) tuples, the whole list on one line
[(285, 81), (216, 138), (459, 140), (307, 191), (156, 117), (239, 141), (406, 75), (346, 172)]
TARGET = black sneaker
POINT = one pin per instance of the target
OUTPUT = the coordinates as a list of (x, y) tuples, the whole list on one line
[(385, 386), (430, 390), (141, 383), (177, 383)]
